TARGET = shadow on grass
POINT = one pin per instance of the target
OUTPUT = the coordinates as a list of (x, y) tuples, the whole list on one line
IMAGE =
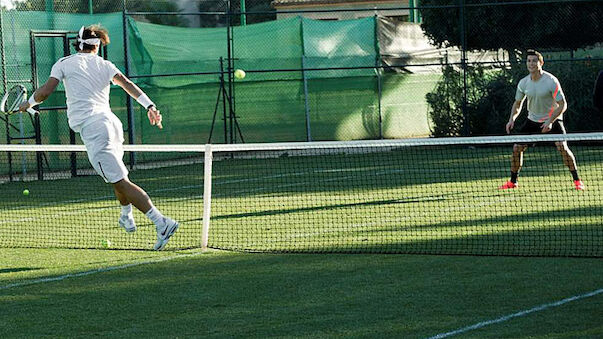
[(18, 269), (406, 200)]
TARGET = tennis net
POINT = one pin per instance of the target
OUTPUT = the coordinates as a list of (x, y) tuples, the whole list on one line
[(424, 196)]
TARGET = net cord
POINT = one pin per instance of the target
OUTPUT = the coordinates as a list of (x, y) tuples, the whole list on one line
[(250, 147)]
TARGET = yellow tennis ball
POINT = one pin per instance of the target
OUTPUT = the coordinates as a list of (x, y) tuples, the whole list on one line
[(239, 74), (25, 192), (106, 243)]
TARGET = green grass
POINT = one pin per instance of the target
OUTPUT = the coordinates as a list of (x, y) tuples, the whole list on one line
[(222, 294)]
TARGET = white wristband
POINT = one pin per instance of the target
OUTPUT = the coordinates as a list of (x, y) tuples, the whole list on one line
[(32, 101), (144, 100)]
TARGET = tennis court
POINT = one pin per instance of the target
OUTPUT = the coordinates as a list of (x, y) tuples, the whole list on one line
[(357, 232)]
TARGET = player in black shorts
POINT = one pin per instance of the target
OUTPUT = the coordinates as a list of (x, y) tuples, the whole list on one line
[(546, 105)]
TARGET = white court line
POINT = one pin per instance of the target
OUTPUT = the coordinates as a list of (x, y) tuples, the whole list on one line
[(60, 214), (516, 315), (99, 270)]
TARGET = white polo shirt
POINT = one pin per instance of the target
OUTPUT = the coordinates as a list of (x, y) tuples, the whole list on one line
[(542, 95), (87, 79)]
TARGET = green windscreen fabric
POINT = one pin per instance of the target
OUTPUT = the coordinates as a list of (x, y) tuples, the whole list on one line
[(270, 51), (265, 49), (273, 103), (345, 43), (269, 46), (16, 27), (160, 49)]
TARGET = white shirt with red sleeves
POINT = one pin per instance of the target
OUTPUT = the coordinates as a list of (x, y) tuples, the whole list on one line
[(87, 79)]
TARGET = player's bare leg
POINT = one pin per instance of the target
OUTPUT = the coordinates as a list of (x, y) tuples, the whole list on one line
[(126, 217), (568, 157), (570, 161), (517, 158), (165, 226), (129, 193), (516, 163)]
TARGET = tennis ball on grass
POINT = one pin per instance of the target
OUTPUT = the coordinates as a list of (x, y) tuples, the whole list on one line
[(106, 243), (26, 192), (239, 74)]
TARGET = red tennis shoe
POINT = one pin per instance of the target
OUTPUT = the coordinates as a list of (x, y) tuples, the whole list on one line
[(508, 185), (579, 185)]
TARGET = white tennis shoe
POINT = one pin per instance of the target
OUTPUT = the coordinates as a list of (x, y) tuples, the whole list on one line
[(164, 231), (127, 223)]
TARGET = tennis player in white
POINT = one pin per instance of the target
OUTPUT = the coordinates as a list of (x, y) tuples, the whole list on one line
[(87, 78)]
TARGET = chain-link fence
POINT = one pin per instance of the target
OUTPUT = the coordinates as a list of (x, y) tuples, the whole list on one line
[(315, 70)]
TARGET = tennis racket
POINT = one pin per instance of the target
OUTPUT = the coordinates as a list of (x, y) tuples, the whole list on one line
[(13, 98)]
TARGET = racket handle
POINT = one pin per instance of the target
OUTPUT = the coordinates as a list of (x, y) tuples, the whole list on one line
[(32, 111)]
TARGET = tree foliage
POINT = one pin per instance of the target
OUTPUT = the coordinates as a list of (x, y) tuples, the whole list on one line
[(566, 25), (222, 6), (108, 6)]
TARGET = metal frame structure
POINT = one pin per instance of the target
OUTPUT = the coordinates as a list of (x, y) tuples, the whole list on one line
[(41, 160)]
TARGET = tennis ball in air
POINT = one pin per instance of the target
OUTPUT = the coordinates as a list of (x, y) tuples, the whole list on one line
[(25, 192), (239, 74), (106, 243)]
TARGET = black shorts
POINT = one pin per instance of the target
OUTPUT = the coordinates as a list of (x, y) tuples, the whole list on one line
[(532, 127)]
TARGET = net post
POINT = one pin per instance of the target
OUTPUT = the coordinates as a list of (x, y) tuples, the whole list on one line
[(206, 195)]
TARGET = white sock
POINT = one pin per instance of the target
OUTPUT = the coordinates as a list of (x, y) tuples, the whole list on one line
[(126, 209), (155, 216)]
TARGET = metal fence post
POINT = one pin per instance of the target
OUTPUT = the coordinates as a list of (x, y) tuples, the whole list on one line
[(129, 108), (466, 130), (306, 103)]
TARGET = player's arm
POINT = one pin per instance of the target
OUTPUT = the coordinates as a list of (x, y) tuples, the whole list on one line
[(135, 92), (559, 97), (562, 107), (40, 94), (515, 110), (548, 123)]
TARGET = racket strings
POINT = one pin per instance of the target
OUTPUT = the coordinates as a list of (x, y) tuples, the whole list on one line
[(15, 97)]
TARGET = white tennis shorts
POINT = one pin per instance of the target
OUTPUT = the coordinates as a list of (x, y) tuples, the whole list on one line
[(104, 139)]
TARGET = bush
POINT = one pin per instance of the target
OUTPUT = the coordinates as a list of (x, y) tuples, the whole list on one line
[(445, 104)]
